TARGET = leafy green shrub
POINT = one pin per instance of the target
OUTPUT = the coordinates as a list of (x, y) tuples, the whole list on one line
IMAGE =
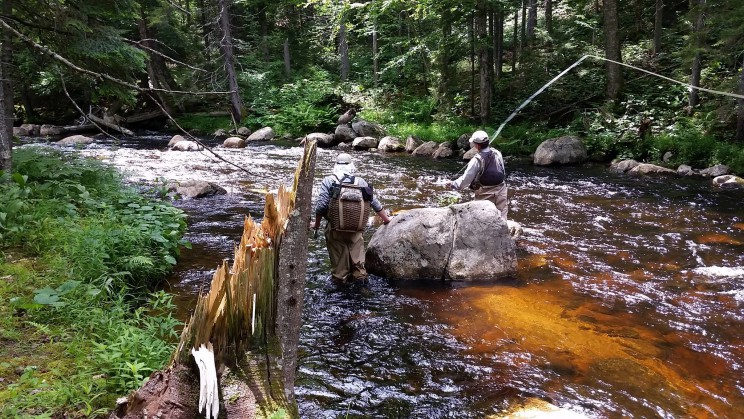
[(87, 333), (77, 210), (204, 123), (296, 108)]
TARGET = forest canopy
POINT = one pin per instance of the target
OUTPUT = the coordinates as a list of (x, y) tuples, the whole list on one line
[(435, 69)]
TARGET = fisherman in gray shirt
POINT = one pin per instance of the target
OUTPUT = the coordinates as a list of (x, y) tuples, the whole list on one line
[(485, 174), (345, 248)]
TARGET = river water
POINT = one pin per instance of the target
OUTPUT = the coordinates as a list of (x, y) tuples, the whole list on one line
[(629, 300)]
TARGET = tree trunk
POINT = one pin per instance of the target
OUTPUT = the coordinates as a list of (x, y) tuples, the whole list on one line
[(515, 41), (156, 68), (287, 64), (445, 64), (481, 33), (6, 95), (658, 22), (498, 42), (523, 29), (472, 62), (375, 58), (612, 50), (740, 110), (531, 21), (292, 273), (549, 17), (263, 23), (203, 19), (250, 320), (638, 7), (343, 50), (697, 61), (236, 103)]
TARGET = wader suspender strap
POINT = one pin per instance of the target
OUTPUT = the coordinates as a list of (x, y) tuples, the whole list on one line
[(482, 165)]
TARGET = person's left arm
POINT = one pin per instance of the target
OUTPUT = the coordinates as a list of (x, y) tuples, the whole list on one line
[(376, 205)]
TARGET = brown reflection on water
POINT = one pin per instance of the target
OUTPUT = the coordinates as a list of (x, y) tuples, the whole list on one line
[(587, 344)]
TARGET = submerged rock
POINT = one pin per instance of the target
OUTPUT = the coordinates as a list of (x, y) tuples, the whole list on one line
[(186, 145), (468, 242), (650, 169), (728, 182)]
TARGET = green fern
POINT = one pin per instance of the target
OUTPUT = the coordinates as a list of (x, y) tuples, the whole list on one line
[(139, 262)]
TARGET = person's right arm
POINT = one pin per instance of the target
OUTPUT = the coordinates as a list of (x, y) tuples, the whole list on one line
[(324, 198), (467, 178)]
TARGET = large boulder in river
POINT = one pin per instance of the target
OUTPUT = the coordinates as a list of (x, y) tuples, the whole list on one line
[(444, 150), (715, 171), (344, 134), (463, 142), (468, 242), (264, 134), (21, 132), (234, 142), (367, 129), (47, 130), (623, 166), (176, 139), (192, 189), (389, 144), (364, 143), (76, 140), (412, 143), (561, 150), (33, 129), (470, 154), (426, 149), (322, 139)]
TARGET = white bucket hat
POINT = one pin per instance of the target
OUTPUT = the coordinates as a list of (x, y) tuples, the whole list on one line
[(344, 165), (479, 137)]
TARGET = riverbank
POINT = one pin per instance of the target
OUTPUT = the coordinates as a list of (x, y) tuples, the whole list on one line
[(80, 252)]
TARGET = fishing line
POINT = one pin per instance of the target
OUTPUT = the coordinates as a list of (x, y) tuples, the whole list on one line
[(562, 73)]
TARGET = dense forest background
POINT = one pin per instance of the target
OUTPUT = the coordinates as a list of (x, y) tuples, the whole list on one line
[(435, 69)]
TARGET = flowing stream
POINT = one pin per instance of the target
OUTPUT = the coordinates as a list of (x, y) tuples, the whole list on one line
[(629, 301)]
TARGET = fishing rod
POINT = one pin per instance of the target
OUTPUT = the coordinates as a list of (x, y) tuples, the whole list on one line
[(579, 61)]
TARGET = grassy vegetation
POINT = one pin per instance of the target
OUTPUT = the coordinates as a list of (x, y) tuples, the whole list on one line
[(78, 253)]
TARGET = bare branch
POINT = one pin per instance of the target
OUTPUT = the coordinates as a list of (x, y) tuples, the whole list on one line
[(103, 76), (184, 11), (64, 88), (154, 51)]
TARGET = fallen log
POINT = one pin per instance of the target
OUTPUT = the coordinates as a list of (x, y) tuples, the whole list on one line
[(144, 116), (107, 124), (74, 129), (247, 327)]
